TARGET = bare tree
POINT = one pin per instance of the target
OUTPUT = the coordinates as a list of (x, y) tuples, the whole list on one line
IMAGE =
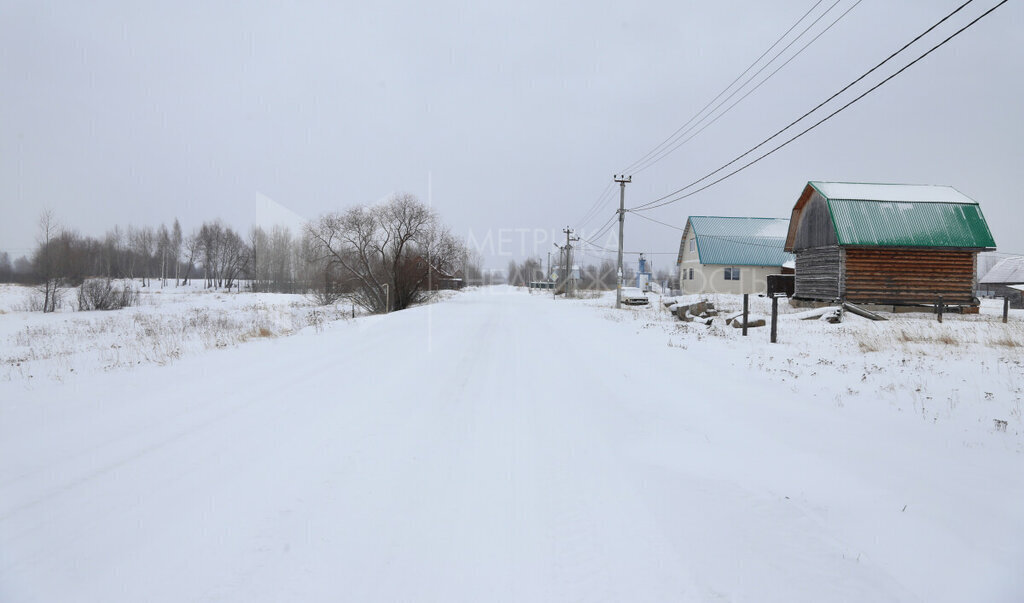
[(385, 254), (192, 247), (210, 235), (258, 243), (163, 247), (141, 242), (176, 242), (473, 267), (45, 262), (6, 270), (520, 275), (234, 258), (282, 254)]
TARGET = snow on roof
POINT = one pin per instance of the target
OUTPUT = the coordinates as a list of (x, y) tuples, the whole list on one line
[(910, 193), (1008, 270), (1017, 287)]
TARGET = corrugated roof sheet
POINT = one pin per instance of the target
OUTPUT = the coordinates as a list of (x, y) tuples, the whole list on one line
[(910, 224), (741, 241), (1008, 270)]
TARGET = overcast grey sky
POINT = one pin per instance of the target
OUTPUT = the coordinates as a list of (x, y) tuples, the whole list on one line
[(516, 114)]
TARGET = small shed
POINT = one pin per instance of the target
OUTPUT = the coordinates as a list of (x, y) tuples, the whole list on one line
[(731, 254), (999, 281), (890, 244)]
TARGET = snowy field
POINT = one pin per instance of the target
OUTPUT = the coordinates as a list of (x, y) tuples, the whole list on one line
[(502, 446), (169, 322)]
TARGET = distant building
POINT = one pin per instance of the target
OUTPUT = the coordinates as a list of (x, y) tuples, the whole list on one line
[(730, 255), (889, 244), (434, 278), (997, 281)]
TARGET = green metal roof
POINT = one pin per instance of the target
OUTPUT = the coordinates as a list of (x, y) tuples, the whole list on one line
[(904, 215), (741, 241), (910, 224)]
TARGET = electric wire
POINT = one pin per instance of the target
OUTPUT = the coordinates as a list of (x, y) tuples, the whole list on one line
[(724, 90), (671, 198), (595, 208), (668, 151), (657, 221), (751, 91), (605, 227)]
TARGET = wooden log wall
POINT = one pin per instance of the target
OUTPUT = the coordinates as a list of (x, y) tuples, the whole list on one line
[(819, 273), (908, 276)]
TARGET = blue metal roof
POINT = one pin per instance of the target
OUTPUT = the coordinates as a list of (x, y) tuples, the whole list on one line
[(741, 241)]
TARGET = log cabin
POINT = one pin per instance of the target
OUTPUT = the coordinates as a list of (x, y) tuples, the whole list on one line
[(887, 244)]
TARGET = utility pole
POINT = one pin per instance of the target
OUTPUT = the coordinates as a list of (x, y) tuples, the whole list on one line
[(568, 259), (622, 179), (547, 274), (561, 272)]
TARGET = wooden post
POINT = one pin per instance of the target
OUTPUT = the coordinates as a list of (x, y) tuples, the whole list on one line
[(775, 318), (1006, 307), (746, 297), (940, 308)]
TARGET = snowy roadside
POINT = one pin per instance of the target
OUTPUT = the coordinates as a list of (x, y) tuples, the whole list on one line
[(168, 324), (967, 372)]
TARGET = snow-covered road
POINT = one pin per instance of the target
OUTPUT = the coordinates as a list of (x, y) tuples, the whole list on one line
[(494, 447)]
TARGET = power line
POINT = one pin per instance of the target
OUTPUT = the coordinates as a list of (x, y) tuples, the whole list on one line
[(666, 152), (752, 90), (606, 226), (639, 215), (724, 90), (732, 239), (594, 209), (666, 200)]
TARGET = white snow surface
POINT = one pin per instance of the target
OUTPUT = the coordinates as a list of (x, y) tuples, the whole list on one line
[(490, 448), (913, 193)]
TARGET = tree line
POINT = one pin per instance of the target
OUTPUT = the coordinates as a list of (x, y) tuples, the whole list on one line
[(590, 276), (383, 256)]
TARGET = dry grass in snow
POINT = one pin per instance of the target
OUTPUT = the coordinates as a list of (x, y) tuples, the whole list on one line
[(968, 370), (167, 324)]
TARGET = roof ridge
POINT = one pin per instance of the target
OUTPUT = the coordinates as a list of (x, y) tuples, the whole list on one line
[(972, 201), (740, 217), (882, 183)]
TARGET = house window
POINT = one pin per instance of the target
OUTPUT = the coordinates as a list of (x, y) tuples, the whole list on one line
[(691, 274), (693, 244), (732, 274)]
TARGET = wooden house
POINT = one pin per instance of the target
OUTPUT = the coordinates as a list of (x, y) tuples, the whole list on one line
[(730, 254), (888, 244)]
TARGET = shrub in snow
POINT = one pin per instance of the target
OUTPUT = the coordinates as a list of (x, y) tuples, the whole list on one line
[(101, 294)]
